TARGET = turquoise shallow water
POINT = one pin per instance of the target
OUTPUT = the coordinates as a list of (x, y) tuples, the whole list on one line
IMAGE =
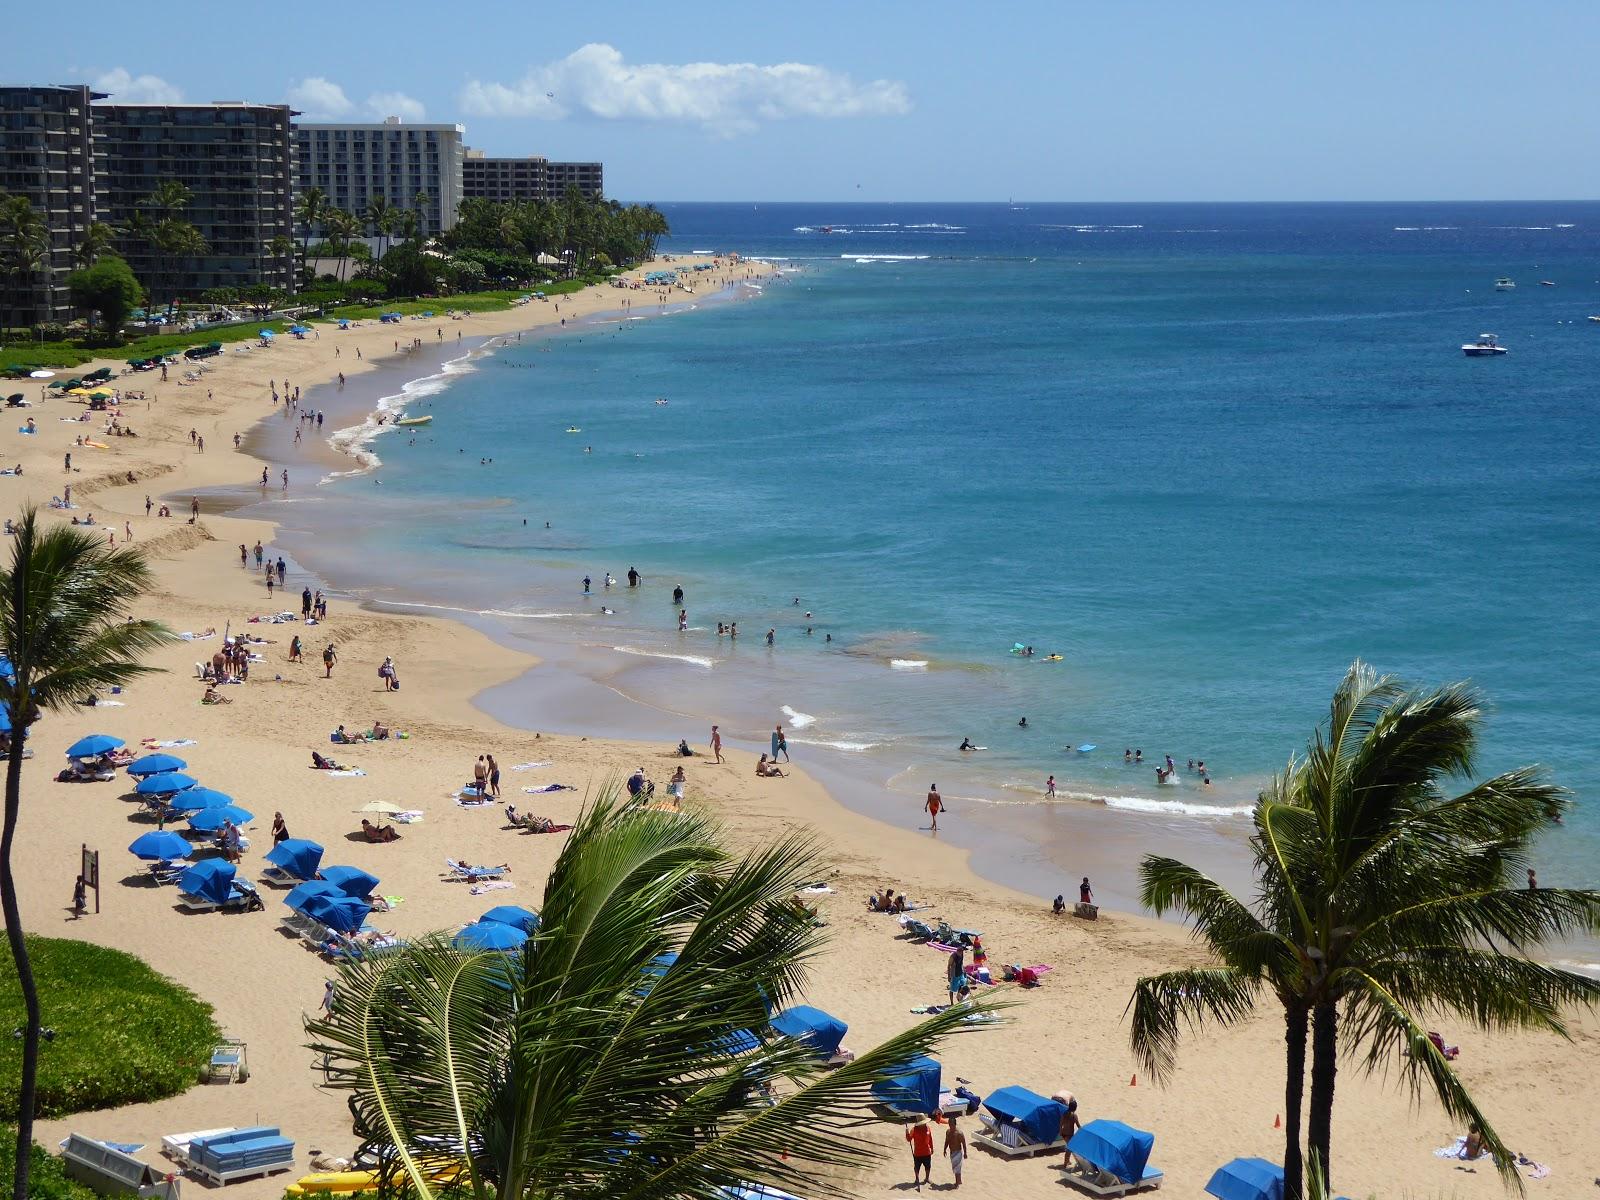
[(1208, 454)]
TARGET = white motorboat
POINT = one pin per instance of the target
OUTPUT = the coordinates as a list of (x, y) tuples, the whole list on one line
[(1486, 344), (1505, 285)]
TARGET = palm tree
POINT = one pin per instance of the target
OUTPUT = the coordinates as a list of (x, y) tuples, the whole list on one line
[(63, 604), (1401, 895), (310, 206), (380, 216), (1381, 896), (175, 240), (410, 229), (341, 227), (97, 242), (419, 206), (24, 241), (613, 1056)]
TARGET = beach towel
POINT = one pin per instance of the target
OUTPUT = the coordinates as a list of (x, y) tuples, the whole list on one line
[(473, 800), (530, 766), (817, 889), (492, 885), (550, 787), (1453, 1150), (344, 773), (409, 817), (171, 744)]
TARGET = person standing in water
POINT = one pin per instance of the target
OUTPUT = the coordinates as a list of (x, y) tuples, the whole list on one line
[(934, 805)]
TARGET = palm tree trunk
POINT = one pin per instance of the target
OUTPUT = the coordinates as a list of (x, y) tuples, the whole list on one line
[(1324, 1066), (19, 954), (1296, 1021)]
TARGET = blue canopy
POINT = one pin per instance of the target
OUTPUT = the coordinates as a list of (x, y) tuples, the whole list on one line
[(344, 913), (209, 820), (1039, 1117), (813, 1026), (740, 1041), (210, 879), (490, 935), (296, 856), (299, 329), (513, 915), (1247, 1179), (154, 764), (195, 798), (160, 845), (267, 333), (352, 881), (94, 744), (1112, 1146), (164, 784), (914, 1087), (5, 716), (301, 894)]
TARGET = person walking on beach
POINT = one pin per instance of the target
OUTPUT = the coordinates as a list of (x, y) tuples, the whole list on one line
[(1069, 1127), (329, 657), (327, 996), (282, 569), (783, 746), (921, 1139), (147, 506), (480, 776), (716, 744), (1085, 892), (1050, 787), (494, 775), (258, 553), (305, 594), (934, 805), (269, 585), (80, 897), (385, 672), (955, 1149)]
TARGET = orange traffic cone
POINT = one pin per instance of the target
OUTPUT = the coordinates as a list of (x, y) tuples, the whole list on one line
[(1134, 1082), (1277, 1121)]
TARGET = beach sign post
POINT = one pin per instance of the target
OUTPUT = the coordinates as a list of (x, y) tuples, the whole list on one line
[(90, 870)]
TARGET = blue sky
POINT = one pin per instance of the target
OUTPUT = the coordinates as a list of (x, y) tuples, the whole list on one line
[(1037, 100)]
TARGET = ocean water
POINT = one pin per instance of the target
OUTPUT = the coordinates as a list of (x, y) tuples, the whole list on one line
[(1208, 454)]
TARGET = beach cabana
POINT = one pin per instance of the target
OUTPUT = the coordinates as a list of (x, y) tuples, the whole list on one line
[(296, 858), (1120, 1155), (490, 935), (339, 912), (155, 764), (210, 880), (160, 846), (300, 896), (351, 881), (209, 820), (1024, 1122), (166, 783), (913, 1088), (196, 798), (1247, 1179), (93, 746), (513, 915), (817, 1029)]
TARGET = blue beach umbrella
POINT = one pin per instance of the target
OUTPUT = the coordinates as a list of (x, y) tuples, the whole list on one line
[(209, 820), (490, 935), (210, 879), (160, 845), (1247, 1179), (155, 764), (94, 744), (513, 915), (165, 784), (352, 881), (297, 856), (195, 798)]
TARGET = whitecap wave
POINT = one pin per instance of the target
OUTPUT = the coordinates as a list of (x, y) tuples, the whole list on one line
[(837, 744), (797, 720), (355, 441), (908, 664), (477, 612), (1182, 808), (871, 258), (693, 659)]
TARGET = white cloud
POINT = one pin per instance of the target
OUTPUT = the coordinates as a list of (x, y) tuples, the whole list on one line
[(726, 98), (319, 99), (395, 104), (127, 88)]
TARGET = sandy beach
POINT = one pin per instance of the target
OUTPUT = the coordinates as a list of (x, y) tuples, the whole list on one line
[(1069, 1033)]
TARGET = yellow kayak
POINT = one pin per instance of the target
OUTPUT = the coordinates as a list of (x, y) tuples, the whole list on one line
[(344, 1183)]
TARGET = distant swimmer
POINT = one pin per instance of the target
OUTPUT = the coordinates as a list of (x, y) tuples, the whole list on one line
[(586, 582), (1127, 756), (677, 592), (797, 601), (634, 577), (966, 744), (609, 580), (1022, 724), (609, 612), (771, 633)]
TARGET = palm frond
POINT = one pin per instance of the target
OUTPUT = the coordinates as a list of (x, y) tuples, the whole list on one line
[(1165, 1006)]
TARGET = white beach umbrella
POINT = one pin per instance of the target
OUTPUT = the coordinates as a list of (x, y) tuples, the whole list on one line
[(41, 374)]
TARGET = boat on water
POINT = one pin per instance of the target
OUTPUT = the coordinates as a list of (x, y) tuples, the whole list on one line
[(573, 429), (1505, 285), (1547, 283), (412, 421), (1596, 320), (1486, 345)]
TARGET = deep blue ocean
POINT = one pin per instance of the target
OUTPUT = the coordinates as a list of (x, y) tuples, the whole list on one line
[(1208, 454)]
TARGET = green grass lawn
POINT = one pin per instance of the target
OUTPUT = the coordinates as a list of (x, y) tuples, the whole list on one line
[(47, 1176), (123, 1033)]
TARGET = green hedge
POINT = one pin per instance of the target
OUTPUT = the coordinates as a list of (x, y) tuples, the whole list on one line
[(47, 1176), (123, 1034)]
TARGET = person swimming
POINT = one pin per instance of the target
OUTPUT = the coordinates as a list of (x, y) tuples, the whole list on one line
[(1022, 724), (966, 744)]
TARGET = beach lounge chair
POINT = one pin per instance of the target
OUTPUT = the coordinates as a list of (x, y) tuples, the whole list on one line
[(113, 1170), (241, 1154), (955, 937), (229, 1062), (1112, 1159), (917, 929), (472, 874), (1020, 1123)]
